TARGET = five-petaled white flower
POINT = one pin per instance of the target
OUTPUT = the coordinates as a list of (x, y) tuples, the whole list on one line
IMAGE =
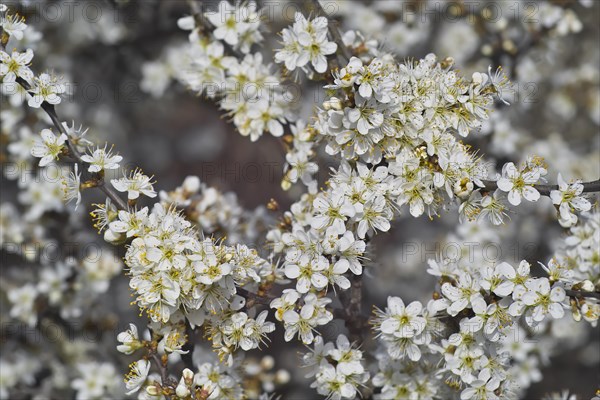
[(14, 25), (332, 209), (312, 313), (482, 388), (72, 185), (306, 41), (101, 159), (15, 66), (236, 25), (49, 148), (129, 339), (543, 300), (137, 376), (519, 183), (403, 321), (568, 199), (134, 184), (46, 88), (308, 271), (464, 293)]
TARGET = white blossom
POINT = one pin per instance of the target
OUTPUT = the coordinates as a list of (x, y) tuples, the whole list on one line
[(138, 372), (129, 339), (101, 159), (568, 199), (403, 321), (72, 186), (14, 25), (49, 148), (16, 65), (543, 300), (519, 183), (134, 184), (46, 88), (306, 41)]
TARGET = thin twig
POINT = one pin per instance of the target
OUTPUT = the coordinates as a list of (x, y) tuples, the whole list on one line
[(264, 300), (51, 111), (333, 31), (164, 376), (206, 26), (352, 308)]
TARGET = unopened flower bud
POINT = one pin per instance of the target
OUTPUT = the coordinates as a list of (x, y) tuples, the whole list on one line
[(188, 375), (282, 377), (182, 390), (267, 362), (587, 286), (191, 184), (152, 390), (112, 236), (332, 104)]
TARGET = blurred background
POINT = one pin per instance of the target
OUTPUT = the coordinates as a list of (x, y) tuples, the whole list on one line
[(121, 60)]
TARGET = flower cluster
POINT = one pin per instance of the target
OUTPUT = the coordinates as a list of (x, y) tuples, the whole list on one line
[(324, 236), (472, 330), (172, 269), (568, 199), (559, 20), (212, 379), (18, 368), (97, 380), (520, 182), (251, 93), (239, 331), (306, 41), (69, 285), (403, 116), (175, 274), (217, 213), (576, 263), (403, 329), (43, 88), (395, 132), (337, 368)]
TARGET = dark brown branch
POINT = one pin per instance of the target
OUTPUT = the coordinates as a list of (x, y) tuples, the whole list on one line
[(588, 187), (164, 373), (253, 297), (580, 294), (351, 311)]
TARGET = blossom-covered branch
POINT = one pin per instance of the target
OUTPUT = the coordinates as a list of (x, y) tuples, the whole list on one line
[(392, 134), (545, 190), (72, 150)]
